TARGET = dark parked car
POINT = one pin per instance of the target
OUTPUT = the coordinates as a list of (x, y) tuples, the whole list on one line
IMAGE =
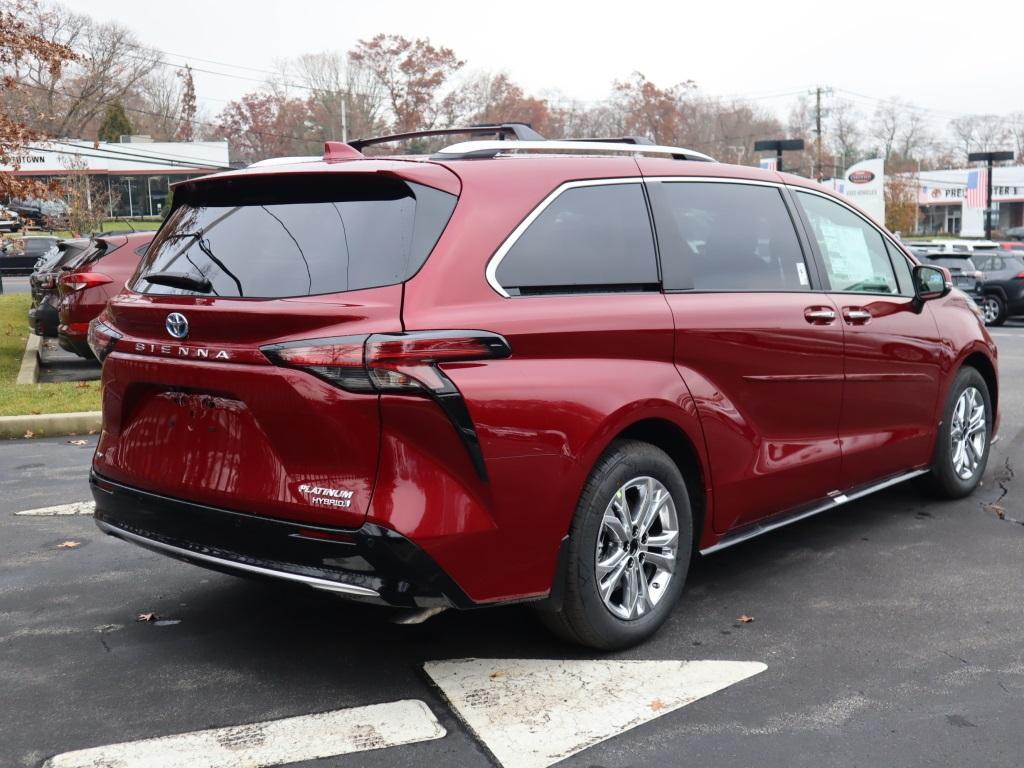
[(1003, 286), (41, 212), (90, 280), (19, 256), (966, 275), (1015, 233), (522, 370), (43, 315)]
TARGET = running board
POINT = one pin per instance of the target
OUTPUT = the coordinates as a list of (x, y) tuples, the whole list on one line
[(835, 499)]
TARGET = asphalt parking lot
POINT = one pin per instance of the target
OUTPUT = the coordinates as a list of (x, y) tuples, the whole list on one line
[(892, 631)]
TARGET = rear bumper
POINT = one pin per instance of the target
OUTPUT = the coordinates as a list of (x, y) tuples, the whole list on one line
[(370, 563), (73, 341), (43, 319)]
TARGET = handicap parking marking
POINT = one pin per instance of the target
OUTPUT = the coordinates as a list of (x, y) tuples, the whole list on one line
[(532, 713), (270, 743), (75, 508)]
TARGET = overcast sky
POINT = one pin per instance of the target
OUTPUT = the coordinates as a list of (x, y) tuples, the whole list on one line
[(950, 58)]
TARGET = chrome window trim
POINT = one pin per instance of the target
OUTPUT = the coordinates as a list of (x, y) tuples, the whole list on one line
[(506, 246)]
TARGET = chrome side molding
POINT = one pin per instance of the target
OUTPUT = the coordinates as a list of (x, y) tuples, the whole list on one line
[(835, 499)]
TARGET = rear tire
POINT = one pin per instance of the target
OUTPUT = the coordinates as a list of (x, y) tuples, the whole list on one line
[(627, 560), (962, 447), (994, 309)]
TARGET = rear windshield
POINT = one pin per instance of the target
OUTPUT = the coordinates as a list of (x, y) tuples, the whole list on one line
[(954, 264), (289, 236)]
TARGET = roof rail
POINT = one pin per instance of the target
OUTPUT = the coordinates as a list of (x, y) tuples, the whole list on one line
[(618, 140), (518, 131), (467, 150)]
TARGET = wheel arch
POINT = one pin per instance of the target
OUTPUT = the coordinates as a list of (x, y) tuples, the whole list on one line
[(682, 449), (983, 365)]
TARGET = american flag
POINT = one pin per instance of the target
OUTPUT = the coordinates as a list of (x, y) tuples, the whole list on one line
[(977, 186)]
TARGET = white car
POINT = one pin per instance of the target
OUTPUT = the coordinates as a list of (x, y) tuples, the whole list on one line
[(9, 220), (953, 246)]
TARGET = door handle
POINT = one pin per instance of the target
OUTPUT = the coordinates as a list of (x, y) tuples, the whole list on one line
[(856, 316), (819, 315)]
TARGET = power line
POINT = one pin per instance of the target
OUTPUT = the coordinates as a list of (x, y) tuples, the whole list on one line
[(163, 163), (132, 155)]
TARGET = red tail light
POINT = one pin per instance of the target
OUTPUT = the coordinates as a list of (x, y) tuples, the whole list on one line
[(389, 362), (400, 363), (1019, 276), (77, 281), (102, 338)]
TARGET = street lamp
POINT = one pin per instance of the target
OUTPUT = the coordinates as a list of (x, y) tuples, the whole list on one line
[(988, 158), (778, 145)]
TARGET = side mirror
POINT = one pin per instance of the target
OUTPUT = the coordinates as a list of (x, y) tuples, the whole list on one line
[(931, 282)]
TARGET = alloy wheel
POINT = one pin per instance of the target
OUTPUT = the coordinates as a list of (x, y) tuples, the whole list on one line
[(637, 548), (969, 433), (990, 310)]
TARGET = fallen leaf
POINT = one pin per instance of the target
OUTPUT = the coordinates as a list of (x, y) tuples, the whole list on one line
[(147, 617), (29, 433), (496, 675), (657, 705), (78, 442), (68, 544), (745, 619), (92, 431)]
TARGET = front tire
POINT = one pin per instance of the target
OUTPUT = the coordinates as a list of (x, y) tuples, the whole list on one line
[(629, 549), (964, 439)]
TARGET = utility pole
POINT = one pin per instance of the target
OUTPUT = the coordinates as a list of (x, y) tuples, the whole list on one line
[(344, 117), (819, 91), (988, 158)]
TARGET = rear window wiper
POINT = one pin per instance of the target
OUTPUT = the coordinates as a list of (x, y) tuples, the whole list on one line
[(180, 280)]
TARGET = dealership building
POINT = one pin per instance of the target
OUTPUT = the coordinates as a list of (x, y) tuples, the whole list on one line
[(941, 200), (129, 178)]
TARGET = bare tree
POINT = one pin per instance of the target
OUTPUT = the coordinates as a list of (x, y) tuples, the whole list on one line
[(111, 66), (155, 105), (846, 133)]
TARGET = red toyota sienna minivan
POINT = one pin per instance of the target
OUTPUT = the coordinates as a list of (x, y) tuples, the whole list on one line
[(99, 273), (522, 370)]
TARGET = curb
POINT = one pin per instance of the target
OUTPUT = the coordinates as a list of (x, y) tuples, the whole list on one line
[(29, 371), (50, 424)]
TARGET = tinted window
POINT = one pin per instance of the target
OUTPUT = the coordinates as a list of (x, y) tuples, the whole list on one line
[(953, 264), (854, 252), (732, 237), (902, 268), (297, 236), (588, 238)]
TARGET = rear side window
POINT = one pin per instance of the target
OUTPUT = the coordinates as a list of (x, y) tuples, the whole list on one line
[(297, 236), (729, 237), (592, 238), (855, 256)]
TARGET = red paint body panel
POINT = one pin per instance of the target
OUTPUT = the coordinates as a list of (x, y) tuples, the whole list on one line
[(78, 308)]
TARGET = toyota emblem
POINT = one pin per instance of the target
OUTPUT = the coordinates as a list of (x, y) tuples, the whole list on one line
[(177, 325)]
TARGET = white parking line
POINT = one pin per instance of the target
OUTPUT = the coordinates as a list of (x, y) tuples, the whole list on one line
[(532, 713), (276, 742), (75, 508)]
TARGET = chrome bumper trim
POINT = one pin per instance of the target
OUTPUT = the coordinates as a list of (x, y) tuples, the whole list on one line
[(311, 581)]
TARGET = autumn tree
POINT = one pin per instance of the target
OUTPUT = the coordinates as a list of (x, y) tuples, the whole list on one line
[(115, 123), (901, 202), (186, 127), (487, 98), (20, 46), (413, 75), (647, 110), (262, 125)]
